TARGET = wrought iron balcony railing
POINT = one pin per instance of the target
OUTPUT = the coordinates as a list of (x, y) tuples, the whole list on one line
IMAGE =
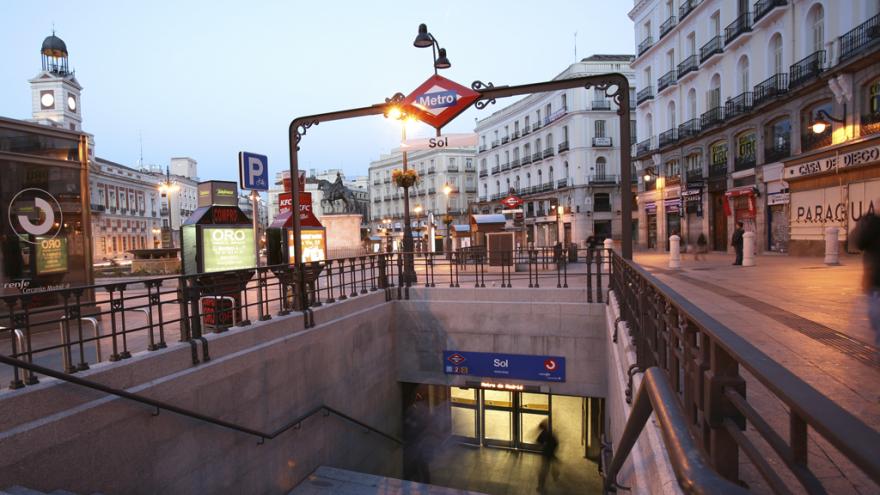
[(644, 95), (505, 166), (601, 105), (689, 128), (777, 152), (738, 105), (496, 169), (666, 80), (806, 69), (668, 137), (603, 179), (811, 141), (694, 175), (687, 65), (563, 146), (505, 139), (740, 25), (864, 37), (717, 169), (667, 26), (561, 183), (744, 162), (548, 152), (762, 7), (711, 48), (514, 163), (482, 148), (537, 156), (770, 88), (527, 159), (645, 45), (483, 173), (644, 147), (713, 117), (686, 7)]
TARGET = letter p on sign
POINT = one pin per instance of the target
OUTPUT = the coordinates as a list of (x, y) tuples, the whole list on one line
[(253, 171)]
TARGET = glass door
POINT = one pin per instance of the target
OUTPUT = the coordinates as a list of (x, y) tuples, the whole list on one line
[(498, 421), (465, 424), (533, 408)]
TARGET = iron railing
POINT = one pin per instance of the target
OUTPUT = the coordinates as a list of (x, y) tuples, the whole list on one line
[(644, 146), (811, 141), (717, 170), (689, 128), (563, 146), (687, 65), (762, 7), (715, 45), (806, 69), (666, 80), (773, 86), (694, 175), (667, 26), (668, 137), (713, 117), (644, 95), (744, 162), (863, 37), (548, 151), (601, 105), (645, 45), (777, 152), (740, 25), (738, 105), (707, 366), (604, 179), (686, 7)]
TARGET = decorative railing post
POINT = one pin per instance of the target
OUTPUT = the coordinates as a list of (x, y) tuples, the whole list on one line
[(722, 446)]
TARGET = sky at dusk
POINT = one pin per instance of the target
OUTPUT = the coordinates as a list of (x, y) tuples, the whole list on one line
[(208, 79)]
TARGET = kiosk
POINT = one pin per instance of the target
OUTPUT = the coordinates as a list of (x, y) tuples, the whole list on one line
[(218, 244)]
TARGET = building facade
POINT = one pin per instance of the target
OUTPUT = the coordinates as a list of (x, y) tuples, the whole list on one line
[(558, 149), (729, 92), (430, 198)]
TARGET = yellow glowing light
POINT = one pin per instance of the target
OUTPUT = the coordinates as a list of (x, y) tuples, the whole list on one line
[(819, 126), (447, 189), (395, 113), (560, 210)]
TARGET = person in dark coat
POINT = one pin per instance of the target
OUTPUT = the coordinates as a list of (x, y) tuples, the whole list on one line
[(866, 237), (737, 243), (549, 444)]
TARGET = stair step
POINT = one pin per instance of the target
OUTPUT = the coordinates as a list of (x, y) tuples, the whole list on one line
[(329, 481), (21, 490)]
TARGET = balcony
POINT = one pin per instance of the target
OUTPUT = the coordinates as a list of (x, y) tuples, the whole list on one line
[(602, 142), (744, 162), (527, 159), (526, 129), (563, 147), (717, 170), (96, 208), (667, 26), (561, 183), (777, 152), (806, 69), (645, 45), (495, 143), (603, 179), (515, 135), (452, 168), (601, 105), (505, 140), (770, 88), (811, 141), (431, 170), (666, 80), (738, 105), (387, 180), (482, 148), (673, 179), (643, 147), (712, 117), (668, 137), (432, 190), (644, 95), (689, 129), (483, 173), (686, 7), (762, 7), (689, 64), (536, 157), (870, 123), (496, 169), (742, 24), (505, 166), (711, 48), (377, 200), (514, 163), (859, 40), (694, 176), (470, 189), (548, 151), (536, 126), (556, 115)]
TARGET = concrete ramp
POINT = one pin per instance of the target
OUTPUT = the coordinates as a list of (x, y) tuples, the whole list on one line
[(327, 480)]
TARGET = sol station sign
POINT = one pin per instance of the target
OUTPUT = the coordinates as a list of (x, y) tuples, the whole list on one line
[(439, 100)]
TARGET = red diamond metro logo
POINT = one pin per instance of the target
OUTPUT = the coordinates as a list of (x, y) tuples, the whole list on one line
[(439, 100), (456, 359)]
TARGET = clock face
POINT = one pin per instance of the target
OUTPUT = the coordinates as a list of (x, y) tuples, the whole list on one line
[(71, 103), (47, 100)]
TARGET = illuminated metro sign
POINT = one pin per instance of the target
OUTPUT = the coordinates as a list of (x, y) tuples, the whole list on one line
[(439, 100), (493, 365)]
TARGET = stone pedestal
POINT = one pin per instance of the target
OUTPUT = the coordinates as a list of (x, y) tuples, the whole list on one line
[(343, 233)]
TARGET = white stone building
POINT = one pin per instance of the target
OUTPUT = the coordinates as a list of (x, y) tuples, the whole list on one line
[(437, 168), (556, 149), (728, 91)]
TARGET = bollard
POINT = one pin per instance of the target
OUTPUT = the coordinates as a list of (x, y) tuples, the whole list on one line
[(609, 245), (674, 252), (749, 249), (832, 246)]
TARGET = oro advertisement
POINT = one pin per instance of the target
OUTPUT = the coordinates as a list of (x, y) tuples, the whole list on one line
[(228, 248)]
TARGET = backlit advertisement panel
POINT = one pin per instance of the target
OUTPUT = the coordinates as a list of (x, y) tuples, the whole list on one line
[(313, 244), (228, 248)]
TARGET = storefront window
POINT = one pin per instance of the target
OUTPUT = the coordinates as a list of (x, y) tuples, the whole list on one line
[(718, 153), (672, 170), (745, 151), (809, 139), (871, 119), (778, 138)]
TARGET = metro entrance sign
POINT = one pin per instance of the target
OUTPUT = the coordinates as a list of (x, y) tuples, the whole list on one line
[(512, 201), (439, 100)]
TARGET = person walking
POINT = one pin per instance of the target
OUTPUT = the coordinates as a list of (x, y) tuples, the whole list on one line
[(549, 444), (702, 247), (737, 243), (866, 236)]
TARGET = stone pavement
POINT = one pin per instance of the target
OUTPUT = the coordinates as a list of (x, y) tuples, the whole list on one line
[(809, 317)]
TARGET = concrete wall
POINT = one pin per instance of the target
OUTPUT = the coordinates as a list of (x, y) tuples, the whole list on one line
[(260, 376), (514, 321)]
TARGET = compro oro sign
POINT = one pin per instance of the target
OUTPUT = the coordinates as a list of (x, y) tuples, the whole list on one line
[(228, 248), (839, 206)]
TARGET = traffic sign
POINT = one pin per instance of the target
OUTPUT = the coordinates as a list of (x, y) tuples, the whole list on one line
[(512, 201), (439, 100), (253, 171)]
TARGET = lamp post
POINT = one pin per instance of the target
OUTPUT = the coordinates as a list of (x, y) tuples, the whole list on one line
[(166, 188), (425, 39), (407, 248), (418, 211)]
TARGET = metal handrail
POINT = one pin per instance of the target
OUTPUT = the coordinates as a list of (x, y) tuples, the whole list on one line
[(692, 469), (160, 405)]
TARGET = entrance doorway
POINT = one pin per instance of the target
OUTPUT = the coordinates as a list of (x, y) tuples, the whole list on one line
[(719, 222), (498, 418)]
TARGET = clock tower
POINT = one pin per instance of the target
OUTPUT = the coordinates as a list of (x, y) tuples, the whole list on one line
[(55, 91)]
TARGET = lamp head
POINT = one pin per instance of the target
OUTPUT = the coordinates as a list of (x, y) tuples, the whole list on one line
[(395, 113), (819, 126), (442, 62), (423, 39), (447, 189)]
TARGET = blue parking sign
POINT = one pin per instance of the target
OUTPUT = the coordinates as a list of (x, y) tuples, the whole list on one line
[(253, 171)]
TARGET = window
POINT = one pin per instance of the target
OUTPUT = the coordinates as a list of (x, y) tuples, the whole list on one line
[(599, 126), (670, 115), (564, 101), (601, 202), (777, 135), (516, 128), (565, 133), (672, 169), (713, 96), (670, 60), (715, 24), (745, 151), (809, 139), (550, 140), (691, 44), (870, 121), (600, 167), (548, 111), (526, 122), (692, 104), (776, 54), (817, 27), (874, 98), (718, 154), (742, 69), (694, 162)]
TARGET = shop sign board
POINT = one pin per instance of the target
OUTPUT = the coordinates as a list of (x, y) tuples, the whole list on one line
[(228, 248), (307, 216), (855, 158), (780, 198), (217, 192), (313, 245), (495, 365), (51, 254), (838, 206)]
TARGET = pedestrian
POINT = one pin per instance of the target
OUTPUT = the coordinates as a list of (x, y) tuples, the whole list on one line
[(415, 427), (702, 247), (737, 243), (549, 462), (866, 236), (557, 253)]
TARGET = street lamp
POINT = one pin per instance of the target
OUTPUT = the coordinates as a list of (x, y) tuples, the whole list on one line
[(409, 271), (167, 187), (823, 121), (425, 39)]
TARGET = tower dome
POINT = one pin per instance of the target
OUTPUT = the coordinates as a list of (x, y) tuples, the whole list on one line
[(54, 55)]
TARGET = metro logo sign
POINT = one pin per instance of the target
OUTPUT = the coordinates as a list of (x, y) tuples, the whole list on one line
[(439, 100), (511, 201)]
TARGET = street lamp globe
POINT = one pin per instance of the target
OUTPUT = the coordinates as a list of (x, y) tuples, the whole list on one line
[(819, 126)]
